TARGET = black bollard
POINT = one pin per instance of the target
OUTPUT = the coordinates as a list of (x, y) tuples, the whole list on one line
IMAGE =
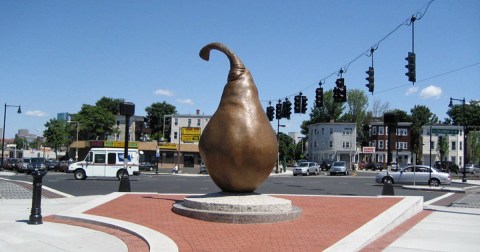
[(387, 189), (36, 212), (124, 182)]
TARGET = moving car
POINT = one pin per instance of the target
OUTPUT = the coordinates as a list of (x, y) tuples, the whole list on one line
[(470, 168), (203, 169), (420, 174), (146, 166), (339, 167), (306, 168)]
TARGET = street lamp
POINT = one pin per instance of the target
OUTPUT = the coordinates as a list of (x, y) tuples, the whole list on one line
[(76, 143), (464, 122), (19, 111)]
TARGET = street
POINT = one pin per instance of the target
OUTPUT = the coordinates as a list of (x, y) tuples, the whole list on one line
[(361, 185)]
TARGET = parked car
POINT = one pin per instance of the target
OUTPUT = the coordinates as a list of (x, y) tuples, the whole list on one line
[(374, 166), (446, 166), (306, 168), (11, 163), (299, 161), (470, 168), (35, 164), (418, 173), (50, 164), (24, 164), (203, 169), (326, 164), (339, 167), (146, 166)]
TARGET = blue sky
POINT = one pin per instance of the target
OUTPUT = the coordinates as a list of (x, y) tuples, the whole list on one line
[(57, 55)]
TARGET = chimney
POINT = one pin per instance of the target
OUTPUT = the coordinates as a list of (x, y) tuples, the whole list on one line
[(198, 112)]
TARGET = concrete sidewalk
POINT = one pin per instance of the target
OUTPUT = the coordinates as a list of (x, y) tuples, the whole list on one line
[(389, 224)]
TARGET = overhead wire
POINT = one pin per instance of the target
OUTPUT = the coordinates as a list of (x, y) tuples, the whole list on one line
[(418, 15)]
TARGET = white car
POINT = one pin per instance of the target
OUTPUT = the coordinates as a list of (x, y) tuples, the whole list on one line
[(423, 175), (306, 168)]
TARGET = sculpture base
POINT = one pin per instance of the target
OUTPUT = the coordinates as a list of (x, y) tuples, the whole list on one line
[(239, 208)]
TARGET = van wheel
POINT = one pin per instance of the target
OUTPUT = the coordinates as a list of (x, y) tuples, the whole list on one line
[(80, 175), (120, 173)]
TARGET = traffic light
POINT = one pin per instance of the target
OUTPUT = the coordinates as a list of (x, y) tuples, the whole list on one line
[(287, 109), (278, 111), (270, 111), (297, 103), (319, 97), (304, 104), (370, 79), (340, 92), (412, 76)]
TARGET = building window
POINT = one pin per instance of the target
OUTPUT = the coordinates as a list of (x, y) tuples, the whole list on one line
[(346, 145), (189, 122), (374, 143), (176, 121), (401, 132), (454, 147), (403, 145), (198, 122), (381, 130), (175, 135), (331, 131), (380, 144), (315, 144), (459, 145), (323, 131), (374, 131), (331, 144)]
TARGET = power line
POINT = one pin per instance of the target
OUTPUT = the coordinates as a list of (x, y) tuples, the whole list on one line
[(419, 14), (429, 78)]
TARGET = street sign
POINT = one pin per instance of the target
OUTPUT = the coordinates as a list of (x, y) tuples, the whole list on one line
[(445, 131)]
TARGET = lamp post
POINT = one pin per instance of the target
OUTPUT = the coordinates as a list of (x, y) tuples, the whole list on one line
[(76, 143), (464, 122), (278, 141), (19, 111)]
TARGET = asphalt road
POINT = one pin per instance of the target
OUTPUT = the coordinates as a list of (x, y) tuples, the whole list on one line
[(361, 185)]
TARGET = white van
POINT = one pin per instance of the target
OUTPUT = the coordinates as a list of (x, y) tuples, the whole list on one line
[(105, 162)]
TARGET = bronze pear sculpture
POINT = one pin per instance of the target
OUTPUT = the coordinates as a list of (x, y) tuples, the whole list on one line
[(238, 145)]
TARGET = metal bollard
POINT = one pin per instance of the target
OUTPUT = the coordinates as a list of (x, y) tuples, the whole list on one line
[(36, 212)]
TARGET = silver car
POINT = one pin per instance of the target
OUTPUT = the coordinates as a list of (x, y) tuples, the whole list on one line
[(418, 173), (339, 167), (306, 168), (470, 168)]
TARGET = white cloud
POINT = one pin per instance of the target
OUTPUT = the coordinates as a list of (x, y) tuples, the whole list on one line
[(36, 113), (411, 90), (164, 92), (431, 92), (185, 101)]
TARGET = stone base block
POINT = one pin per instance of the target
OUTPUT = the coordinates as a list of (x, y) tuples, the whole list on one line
[(240, 208)]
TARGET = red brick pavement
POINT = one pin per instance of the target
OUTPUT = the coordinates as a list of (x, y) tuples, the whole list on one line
[(324, 221)]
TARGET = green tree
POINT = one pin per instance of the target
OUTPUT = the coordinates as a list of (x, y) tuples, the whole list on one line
[(286, 148), (471, 117), (110, 104), (331, 111), (420, 116), (356, 111), (475, 147), (442, 147), (155, 114), (56, 134), (96, 122), (21, 143)]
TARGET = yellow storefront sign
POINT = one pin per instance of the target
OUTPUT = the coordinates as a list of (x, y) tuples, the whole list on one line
[(191, 131), (168, 146), (119, 144), (190, 138)]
